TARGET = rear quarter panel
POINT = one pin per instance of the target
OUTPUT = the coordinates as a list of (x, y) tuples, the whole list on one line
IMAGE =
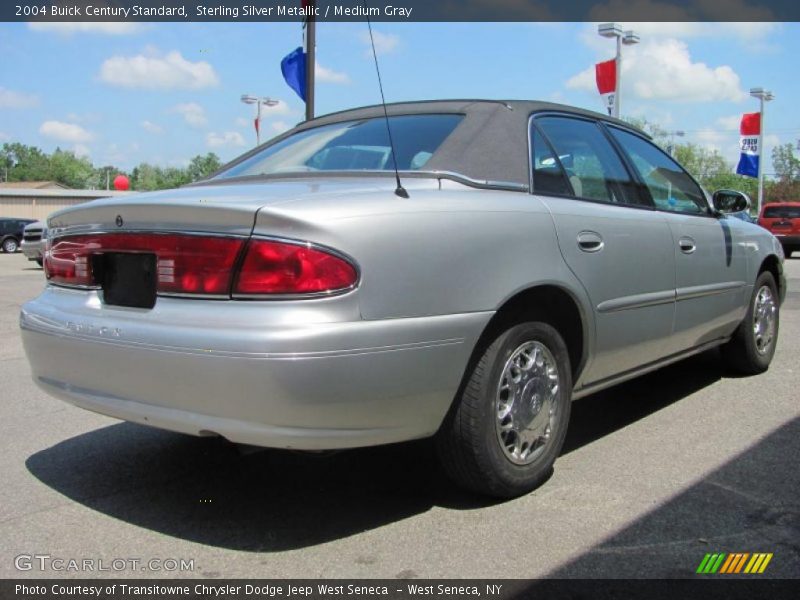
[(450, 251)]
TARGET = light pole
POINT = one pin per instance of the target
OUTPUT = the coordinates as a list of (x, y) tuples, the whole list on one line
[(763, 96), (672, 135), (614, 30), (258, 101)]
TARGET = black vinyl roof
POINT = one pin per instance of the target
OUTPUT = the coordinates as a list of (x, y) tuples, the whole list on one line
[(489, 145)]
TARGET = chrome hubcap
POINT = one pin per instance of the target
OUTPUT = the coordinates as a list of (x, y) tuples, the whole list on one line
[(526, 405), (765, 313)]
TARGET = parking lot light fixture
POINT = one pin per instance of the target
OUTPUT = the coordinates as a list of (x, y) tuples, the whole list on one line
[(259, 102)]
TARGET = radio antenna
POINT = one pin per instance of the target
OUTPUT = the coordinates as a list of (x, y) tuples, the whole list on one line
[(400, 191)]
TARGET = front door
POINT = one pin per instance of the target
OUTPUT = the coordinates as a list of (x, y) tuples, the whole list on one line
[(617, 245), (710, 254)]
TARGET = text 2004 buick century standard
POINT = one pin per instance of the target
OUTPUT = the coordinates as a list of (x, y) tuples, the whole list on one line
[(298, 300)]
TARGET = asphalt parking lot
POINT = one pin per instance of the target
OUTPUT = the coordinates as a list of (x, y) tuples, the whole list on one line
[(655, 474)]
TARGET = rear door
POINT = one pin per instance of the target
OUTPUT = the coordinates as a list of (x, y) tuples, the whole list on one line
[(617, 245), (710, 253)]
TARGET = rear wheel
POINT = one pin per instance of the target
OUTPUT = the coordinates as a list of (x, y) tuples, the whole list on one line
[(510, 419), (10, 245), (752, 347)]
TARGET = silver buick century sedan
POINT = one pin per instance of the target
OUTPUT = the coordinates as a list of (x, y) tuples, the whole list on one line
[(305, 297)]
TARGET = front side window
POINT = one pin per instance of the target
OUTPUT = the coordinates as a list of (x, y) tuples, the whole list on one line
[(670, 186), (590, 162), (361, 145)]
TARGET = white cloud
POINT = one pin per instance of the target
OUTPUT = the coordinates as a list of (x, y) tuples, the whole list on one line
[(325, 75), (228, 138), (663, 70), (280, 126), (730, 123), (192, 113), (153, 70), (151, 127), (106, 28), (65, 132), (384, 42), (12, 99)]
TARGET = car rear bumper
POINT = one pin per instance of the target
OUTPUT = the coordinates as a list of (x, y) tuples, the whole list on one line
[(787, 239), (262, 373), (33, 250)]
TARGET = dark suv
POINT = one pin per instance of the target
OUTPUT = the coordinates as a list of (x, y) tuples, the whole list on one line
[(11, 233)]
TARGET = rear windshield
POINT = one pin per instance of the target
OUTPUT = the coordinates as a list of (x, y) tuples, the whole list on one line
[(782, 212), (352, 146)]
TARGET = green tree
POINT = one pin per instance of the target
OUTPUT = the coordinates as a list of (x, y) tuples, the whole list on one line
[(786, 164), (201, 166), (25, 163), (70, 170)]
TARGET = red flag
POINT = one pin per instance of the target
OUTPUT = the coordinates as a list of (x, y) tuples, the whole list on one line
[(751, 124), (605, 74), (257, 124)]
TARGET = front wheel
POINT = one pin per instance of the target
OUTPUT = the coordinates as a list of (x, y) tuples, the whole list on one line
[(752, 347), (10, 245), (510, 418)]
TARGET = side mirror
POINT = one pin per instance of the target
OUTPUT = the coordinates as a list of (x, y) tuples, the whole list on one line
[(730, 201)]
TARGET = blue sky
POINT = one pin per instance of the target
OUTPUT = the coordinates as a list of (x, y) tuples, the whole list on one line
[(123, 93)]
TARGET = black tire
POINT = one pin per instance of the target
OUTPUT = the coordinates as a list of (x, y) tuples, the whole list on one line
[(744, 353), (10, 245), (469, 445), (40, 262)]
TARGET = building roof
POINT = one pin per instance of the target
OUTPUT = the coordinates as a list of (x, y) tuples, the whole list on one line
[(33, 185)]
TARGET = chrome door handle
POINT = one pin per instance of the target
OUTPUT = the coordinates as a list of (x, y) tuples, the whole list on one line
[(687, 245), (590, 241)]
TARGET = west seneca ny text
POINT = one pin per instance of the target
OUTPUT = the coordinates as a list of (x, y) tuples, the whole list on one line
[(212, 11)]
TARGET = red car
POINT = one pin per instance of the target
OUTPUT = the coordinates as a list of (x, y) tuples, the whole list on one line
[(782, 219)]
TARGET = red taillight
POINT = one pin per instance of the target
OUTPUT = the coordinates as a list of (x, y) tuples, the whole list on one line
[(272, 267), (186, 264)]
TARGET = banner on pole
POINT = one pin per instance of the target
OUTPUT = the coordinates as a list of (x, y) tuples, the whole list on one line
[(749, 129), (606, 76), (293, 67)]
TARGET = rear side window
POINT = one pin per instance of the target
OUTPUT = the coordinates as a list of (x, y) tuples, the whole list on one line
[(352, 146), (782, 212), (590, 162), (671, 187), (548, 174)]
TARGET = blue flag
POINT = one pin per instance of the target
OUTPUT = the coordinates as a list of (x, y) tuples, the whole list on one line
[(293, 67)]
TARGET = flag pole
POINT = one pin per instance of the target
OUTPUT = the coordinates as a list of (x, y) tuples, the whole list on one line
[(760, 201), (311, 42), (763, 96)]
